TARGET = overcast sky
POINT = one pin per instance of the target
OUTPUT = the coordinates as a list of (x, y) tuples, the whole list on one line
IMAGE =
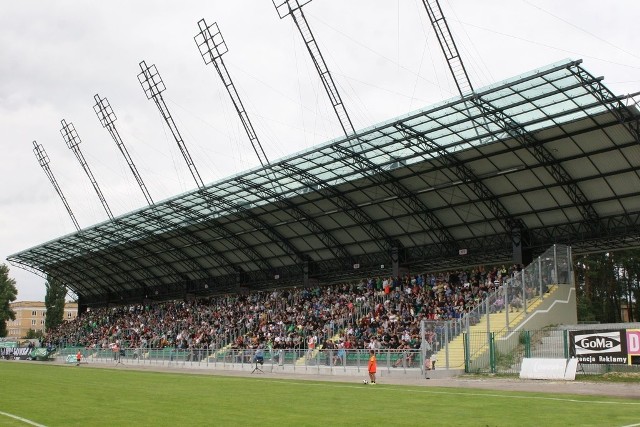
[(56, 55)]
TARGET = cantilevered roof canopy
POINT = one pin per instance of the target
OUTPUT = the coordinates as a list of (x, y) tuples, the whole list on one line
[(548, 157)]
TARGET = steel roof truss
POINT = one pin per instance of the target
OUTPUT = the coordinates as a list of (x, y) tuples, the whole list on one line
[(201, 246), (227, 234), (299, 215), (625, 117), (347, 205), (543, 156), (285, 245), (405, 197), (463, 173)]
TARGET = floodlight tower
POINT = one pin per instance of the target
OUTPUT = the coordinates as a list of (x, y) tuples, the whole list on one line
[(107, 118), (153, 87), (73, 141), (448, 46), (359, 161), (294, 8), (43, 159), (212, 46), (489, 113)]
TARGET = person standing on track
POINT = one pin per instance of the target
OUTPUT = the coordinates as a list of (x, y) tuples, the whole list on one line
[(373, 366)]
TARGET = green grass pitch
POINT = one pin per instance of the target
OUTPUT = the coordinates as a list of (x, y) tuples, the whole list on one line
[(57, 395)]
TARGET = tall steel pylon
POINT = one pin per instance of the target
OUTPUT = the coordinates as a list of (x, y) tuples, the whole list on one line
[(107, 118), (212, 46), (73, 141), (153, 87), (354, 153), (294, 8), (43, 159), (448, 46), (489, 113)]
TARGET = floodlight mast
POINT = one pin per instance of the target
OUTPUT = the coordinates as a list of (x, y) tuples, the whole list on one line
[(294, 8), (153, 87), (364, 165), (448, 46), (212, 46), (73, 141), (43, 159), (107, 118), (508, 125)]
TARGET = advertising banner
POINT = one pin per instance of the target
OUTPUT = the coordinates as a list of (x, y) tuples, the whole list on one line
[(604, 346), (21, 353), (633, 346), (8, 344)]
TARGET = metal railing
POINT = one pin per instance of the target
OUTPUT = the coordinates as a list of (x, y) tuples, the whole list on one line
[(513, 297), (322, 361), (549, 343)]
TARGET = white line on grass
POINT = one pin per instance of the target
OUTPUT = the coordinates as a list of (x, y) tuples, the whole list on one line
[(413, 390), (24, 420)]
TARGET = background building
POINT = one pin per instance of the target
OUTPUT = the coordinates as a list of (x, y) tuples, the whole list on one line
[(32, 315)]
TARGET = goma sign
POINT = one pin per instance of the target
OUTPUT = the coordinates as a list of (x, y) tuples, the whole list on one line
[(619, 347)]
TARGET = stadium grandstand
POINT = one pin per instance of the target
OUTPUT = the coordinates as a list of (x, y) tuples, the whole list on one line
[(545, 161), (547, 157)]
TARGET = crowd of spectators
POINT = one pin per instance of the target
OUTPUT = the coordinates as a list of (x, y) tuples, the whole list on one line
[(374, 313)]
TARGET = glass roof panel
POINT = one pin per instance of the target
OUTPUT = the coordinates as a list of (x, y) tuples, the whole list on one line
[(533, 100)]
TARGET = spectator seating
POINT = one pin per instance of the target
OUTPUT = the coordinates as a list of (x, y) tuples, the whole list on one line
[(379, 312)]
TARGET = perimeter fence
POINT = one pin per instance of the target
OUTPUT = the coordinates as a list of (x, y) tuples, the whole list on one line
[(502, 357), (334, 360)]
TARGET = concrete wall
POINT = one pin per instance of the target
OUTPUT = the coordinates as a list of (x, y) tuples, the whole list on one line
[(559, 308)]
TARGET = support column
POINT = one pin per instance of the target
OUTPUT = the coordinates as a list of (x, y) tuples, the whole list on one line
[(82, 305), (395, 261), (516, 241), (238, 284), (305, 273)]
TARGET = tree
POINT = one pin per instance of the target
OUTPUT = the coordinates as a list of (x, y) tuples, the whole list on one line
[(629, 272), (8, 294), (33, 334), (54, 303), (608, 284)]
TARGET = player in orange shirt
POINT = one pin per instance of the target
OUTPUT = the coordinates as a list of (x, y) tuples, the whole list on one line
[(373, 365)]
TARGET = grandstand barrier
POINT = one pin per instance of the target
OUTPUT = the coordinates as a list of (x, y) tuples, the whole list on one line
[(547, 343), (325, 362)]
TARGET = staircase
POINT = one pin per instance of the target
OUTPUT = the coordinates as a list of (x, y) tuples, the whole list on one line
[(497, 324), (303, 360)]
